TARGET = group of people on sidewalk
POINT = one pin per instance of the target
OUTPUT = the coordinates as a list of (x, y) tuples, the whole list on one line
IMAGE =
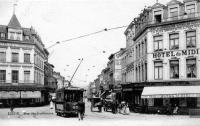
[(116, 107)]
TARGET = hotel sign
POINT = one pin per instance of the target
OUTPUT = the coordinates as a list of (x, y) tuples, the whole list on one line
[(177, 53)]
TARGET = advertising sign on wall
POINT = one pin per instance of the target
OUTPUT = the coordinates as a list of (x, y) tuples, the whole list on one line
[(30, 94)]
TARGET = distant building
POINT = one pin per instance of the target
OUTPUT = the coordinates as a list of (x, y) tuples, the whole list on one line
[(50, 81), (22, 59), (60, 79)]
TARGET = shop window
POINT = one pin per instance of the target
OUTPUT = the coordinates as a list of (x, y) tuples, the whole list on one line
[(191, 102), (150, 102), (190, 8), (15, 76), (174, 12), (158, 70), (198, 102), (174, 69), (191, 39), (158, 43), (191, 68), (2, 76), (182, 102), (15, 57), (3, 57), (174, 41), (158, 102)]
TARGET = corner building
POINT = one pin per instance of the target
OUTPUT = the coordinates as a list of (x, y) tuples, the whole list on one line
[(166, 57), (22, 56)]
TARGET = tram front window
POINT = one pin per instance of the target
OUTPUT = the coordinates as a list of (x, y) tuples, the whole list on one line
[(72, 97)]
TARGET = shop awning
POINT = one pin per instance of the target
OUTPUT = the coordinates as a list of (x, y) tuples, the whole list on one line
[(171, 92)]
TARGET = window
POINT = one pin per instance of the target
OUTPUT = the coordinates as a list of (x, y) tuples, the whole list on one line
[(19, 36), (158, 43), (2, 76), (174, 69), (174, 12), (26, 37), (3, 57), (191, 39), (27, 76), (158, 16), (158, 70), (26, 58), (15, 76), (191, 68), (158, 102), (11, 35), (190, 8), (174, 41), (15, 57), (2, 35)]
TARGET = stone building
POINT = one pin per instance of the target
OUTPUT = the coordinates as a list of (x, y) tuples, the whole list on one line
[(166, 57), (22, 59)]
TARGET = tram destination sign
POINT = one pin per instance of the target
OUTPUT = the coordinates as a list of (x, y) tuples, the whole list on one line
[(176, 53)]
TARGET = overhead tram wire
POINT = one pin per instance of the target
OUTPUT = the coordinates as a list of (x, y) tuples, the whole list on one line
[(86, 35)]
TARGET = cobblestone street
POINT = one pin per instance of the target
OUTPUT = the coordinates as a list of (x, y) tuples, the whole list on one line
[(46, 116)]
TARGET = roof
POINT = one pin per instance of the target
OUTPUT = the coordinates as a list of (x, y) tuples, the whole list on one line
[(3, 29), (173, 2), (170, 91), (14, 23), (158, 5)]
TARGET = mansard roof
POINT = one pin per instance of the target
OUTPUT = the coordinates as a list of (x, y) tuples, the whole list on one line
[(14, 23), (189, 0), (3, 28), (157, 5), (173, 2)]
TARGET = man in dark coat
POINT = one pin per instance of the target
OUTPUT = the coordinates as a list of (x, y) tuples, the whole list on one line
[(81, 109)]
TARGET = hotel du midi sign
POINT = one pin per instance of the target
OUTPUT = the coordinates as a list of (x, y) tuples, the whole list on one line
[(176, 53)]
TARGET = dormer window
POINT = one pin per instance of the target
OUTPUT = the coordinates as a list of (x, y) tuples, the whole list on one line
[(14, 34), (190, 8), (11, 35), (2, 35), (158, 16), (26, 37), (173, 12)]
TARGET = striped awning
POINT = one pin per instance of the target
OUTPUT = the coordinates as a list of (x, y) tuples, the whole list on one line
[(171, 92)]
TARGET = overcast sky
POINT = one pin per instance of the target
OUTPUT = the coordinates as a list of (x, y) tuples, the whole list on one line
[(58, 20)]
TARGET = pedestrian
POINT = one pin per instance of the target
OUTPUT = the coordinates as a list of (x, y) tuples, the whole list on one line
[(51, 104), (81, 109), (127, 110), (11, 106)]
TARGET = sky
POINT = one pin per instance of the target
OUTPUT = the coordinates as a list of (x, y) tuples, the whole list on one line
[(59, 20)]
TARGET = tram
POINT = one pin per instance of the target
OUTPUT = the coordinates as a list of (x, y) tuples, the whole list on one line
[(66, 103)]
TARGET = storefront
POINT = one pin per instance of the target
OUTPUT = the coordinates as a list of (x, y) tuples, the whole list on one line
[(21, 95), (160, 97), (131, 94)]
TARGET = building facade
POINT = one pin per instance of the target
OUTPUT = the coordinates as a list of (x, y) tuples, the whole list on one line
[(22, 59), (166, 56), (60, 80)]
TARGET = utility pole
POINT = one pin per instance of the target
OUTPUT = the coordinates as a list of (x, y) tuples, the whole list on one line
[(75, 72)]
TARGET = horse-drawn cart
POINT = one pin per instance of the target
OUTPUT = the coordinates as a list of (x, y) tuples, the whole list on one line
[(96, 103)]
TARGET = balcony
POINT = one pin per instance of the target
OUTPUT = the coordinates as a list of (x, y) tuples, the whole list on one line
[(16, 82)]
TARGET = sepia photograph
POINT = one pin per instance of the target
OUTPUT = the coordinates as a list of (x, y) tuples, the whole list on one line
[(99, 63)]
